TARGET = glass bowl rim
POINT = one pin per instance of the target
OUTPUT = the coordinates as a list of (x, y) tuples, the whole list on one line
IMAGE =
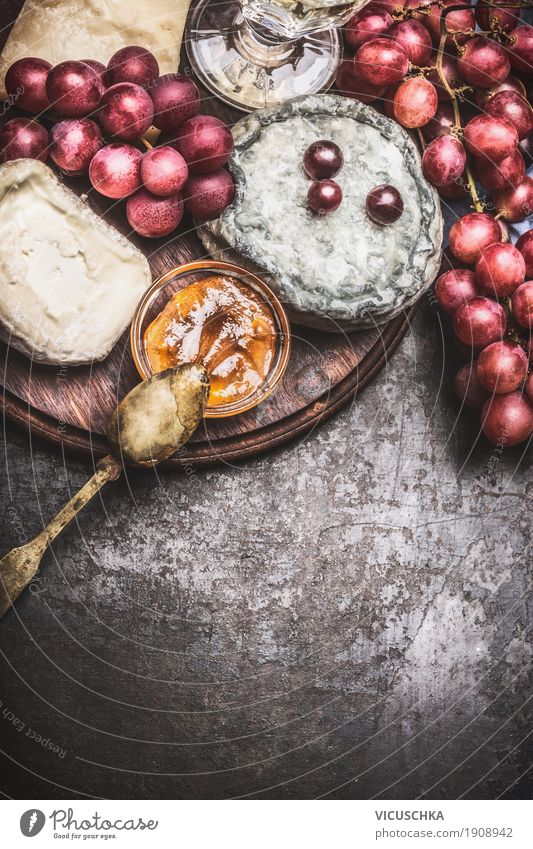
[(283, 343)]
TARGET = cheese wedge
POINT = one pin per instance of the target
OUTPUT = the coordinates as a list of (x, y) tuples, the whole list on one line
[(57, 30), (69, 282)]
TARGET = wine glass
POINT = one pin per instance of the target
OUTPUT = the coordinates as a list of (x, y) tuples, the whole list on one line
[(257, 53)]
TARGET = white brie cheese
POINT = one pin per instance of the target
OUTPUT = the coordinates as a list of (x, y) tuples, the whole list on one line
[(69, 283), (57, 30)]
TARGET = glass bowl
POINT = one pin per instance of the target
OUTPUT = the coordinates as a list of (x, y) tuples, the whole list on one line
[(158, 295)]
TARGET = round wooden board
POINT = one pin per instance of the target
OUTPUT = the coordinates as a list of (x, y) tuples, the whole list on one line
[(319, 382), (70, 406)]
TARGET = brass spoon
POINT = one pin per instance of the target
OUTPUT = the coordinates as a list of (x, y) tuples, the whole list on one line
[(148, 426)]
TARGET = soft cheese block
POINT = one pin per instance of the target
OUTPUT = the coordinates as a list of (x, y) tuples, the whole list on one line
[(57, 30), (69, 282)]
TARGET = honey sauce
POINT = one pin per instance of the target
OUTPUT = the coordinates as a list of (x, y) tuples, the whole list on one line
[(221, 324)]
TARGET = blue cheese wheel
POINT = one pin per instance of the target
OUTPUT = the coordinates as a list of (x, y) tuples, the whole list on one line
[(340, 267)]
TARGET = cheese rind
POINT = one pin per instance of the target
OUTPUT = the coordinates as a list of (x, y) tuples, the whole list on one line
[(69, 283), (57, 30)]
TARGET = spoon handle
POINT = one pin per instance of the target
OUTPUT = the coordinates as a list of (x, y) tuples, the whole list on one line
[(20, 565)]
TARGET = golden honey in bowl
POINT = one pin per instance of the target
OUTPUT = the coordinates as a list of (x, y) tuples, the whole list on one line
[(222, 324)]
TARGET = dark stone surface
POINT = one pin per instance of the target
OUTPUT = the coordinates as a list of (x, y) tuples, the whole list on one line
[(346, 617)]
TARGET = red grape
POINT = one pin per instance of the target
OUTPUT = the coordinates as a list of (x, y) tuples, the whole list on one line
[(115, 171), (507, 174), (73, 143), (441, 124), (495, 138), (163, 171), (521, 49), (351, 85), (522, 303), (502, 367), (381, 62), (508, 104), (525, 246), (468, 387), (415, 40), (479, 322), (99, 67), (451, 74), (443, 161), (455, 287), (25, 84), (176, 99), (365, 25), (74, 89), (459, 24), (507, 419), (471, 233), (126, 111), (384, 204), (483, 62), (515, 204), (154, 217), (324, 196), (491, 15), (207, 195), (500, 270), (205, 143), (483, 95), (21, 138), (322, 160), (415, 102), (132, 65)]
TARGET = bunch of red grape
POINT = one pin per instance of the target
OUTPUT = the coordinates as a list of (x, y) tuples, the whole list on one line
[(395, 59), (491, 305), (491, 302), (124, 101)]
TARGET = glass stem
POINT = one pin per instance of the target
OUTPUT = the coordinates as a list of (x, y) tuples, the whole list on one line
[(260, 46)]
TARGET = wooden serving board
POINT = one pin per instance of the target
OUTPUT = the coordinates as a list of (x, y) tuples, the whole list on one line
[(70, 406)]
